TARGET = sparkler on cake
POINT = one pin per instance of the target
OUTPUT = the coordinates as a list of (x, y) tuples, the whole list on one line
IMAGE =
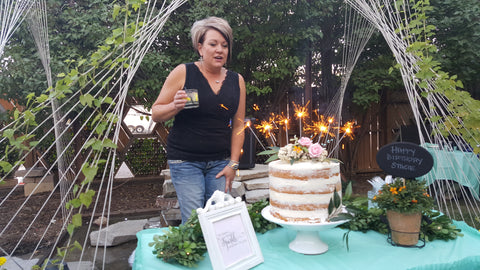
[(325, 131), (305, 183)]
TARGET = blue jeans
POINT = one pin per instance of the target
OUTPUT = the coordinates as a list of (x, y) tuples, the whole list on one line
[(195, 182)]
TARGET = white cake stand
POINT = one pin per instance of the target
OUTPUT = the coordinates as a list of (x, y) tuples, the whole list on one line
[(307, 240)]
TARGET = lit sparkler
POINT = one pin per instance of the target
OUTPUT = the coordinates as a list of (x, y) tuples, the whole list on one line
[(347, 130), (322, 128), (248, 124), (266, 128), (330, 121), (284, 121), (301, 112), (326, 128), (272, 120)]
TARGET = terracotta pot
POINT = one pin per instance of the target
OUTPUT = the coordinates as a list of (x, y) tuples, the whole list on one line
[(405, 228)]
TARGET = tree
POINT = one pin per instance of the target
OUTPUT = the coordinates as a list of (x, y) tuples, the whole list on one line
[(74, 31), (371, 76), (272, 40), (325, 24), (264, 52), (456, 37), (458, 40)]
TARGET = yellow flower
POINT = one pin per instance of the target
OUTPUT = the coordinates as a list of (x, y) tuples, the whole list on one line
[(3, 260), (297, 149), (374, 197), (393, 190)]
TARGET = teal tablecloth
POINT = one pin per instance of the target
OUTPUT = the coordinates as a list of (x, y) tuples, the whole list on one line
[(366, 251), (462, 167)]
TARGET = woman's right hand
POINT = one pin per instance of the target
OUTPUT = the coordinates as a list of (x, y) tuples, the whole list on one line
[(170, 100), (179, 100)]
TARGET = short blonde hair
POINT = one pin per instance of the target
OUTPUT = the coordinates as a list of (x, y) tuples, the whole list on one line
[(201, 27)]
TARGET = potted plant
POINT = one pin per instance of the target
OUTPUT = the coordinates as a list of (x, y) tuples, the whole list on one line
[(405, 201)]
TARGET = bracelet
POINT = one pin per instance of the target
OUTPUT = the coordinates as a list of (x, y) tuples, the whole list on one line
[(233, 164)]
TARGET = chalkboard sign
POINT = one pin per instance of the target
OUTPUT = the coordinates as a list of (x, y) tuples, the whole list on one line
[(404, 159)]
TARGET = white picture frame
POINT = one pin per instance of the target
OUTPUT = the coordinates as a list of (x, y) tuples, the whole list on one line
[(230, 237)]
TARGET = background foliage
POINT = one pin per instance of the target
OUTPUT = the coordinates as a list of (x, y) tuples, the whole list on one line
[(272, 40)]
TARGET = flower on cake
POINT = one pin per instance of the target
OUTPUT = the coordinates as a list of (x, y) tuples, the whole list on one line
[(304, 141), (301, 150), (316, 151)]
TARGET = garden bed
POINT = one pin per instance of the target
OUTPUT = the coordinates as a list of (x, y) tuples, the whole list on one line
[(127, 198)]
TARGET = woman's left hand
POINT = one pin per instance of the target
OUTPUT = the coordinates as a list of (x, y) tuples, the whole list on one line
[(229, 174)]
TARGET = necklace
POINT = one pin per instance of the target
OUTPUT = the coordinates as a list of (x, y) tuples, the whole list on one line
[(201, 70)]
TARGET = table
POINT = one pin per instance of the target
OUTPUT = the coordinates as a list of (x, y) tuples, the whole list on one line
[(462, 167), (366, 251)]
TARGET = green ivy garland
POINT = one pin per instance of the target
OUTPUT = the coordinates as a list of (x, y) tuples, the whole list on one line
[(185, 244), (435, 226)]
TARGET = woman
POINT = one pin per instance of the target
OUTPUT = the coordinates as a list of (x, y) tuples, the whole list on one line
[(204, 144)]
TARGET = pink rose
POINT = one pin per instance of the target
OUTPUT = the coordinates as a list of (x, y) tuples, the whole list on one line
[(315, 150), (304, 141)]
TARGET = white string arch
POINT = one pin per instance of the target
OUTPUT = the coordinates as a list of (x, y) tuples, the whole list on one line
[(156, 13), (386, 17)]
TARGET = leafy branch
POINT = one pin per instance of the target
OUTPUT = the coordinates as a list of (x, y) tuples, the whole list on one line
[(260, 224), (465, 121), (101, 121), (335, 206), (20, 141), (19, 136), (61, 253), (273, 153)]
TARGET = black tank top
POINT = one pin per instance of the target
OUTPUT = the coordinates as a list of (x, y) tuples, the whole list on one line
[(204, 133)]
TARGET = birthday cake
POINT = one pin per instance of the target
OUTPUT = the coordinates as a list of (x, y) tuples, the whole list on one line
[(301, 192)]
